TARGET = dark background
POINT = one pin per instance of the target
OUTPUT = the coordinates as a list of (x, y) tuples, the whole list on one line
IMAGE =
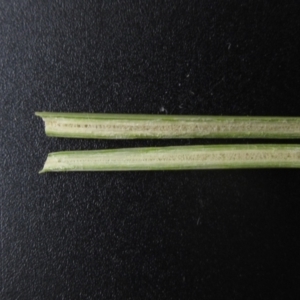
[(145, 235)]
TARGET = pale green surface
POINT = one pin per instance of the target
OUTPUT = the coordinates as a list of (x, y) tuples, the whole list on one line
[(176, 158), (130, 126)]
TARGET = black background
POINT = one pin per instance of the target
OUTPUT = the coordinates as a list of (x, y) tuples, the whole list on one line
[(145, 235)]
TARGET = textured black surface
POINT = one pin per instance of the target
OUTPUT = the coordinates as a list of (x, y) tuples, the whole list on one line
[(145, 235)]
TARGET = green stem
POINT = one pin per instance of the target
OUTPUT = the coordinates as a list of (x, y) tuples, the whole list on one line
[(125, 126), (176, 158)]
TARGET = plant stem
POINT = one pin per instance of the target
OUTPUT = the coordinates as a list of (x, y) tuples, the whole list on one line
[(125, 126), (176, 158)]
